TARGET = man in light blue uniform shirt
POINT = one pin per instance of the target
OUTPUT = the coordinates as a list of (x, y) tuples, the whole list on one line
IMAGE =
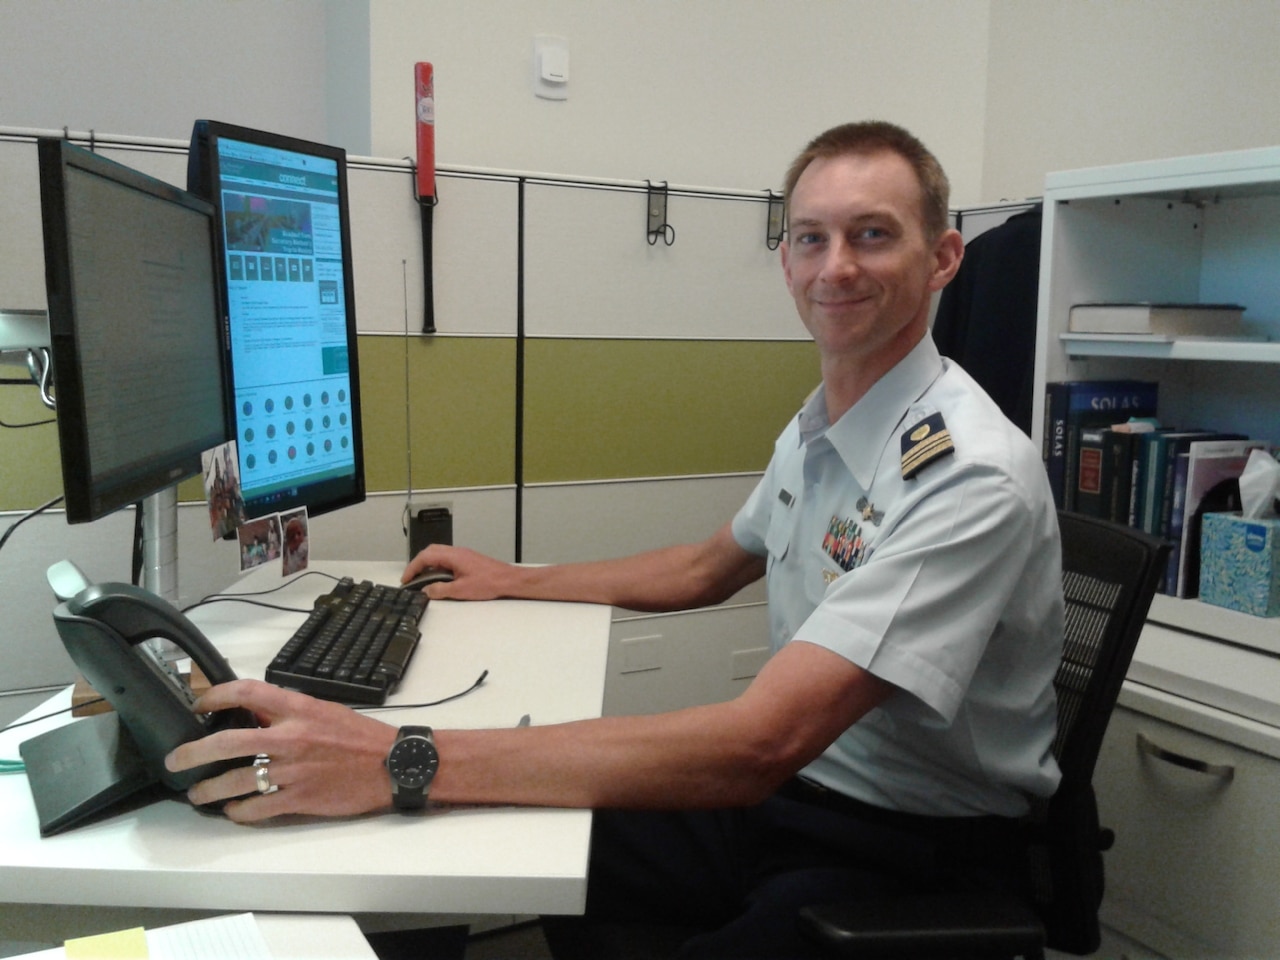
[(905, 717), (947, 585)]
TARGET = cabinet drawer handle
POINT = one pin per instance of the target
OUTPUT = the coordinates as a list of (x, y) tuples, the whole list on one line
[(1222, 771)]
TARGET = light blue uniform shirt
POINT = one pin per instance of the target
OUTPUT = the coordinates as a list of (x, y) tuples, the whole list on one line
[(954, 595)]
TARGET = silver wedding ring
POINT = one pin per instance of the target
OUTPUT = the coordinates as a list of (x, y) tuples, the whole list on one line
[(262, 776)]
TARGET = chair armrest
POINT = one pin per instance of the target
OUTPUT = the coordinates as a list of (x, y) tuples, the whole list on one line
[(962, 925)]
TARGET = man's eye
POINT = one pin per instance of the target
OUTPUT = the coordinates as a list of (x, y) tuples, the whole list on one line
[(809, 238)]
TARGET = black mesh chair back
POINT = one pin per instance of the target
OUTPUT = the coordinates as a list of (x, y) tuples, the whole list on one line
[(1109, 575)]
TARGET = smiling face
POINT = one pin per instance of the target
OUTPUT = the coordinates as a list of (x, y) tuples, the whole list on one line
[(858, 260)]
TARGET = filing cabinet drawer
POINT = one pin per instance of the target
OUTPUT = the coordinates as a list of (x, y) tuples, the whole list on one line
[(1197, 852)]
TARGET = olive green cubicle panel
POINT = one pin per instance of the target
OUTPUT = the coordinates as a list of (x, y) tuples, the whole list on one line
[(611, 409), (31, 471), (32, 466), (461, 414), (459, 418)]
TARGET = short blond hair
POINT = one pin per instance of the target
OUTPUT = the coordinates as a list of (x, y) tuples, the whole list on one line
[(876, 136)]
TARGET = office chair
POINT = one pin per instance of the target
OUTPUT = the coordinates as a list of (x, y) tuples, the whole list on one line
[(1109, 575)]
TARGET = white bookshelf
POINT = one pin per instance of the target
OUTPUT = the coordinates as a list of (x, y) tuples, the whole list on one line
[(1203, 228)]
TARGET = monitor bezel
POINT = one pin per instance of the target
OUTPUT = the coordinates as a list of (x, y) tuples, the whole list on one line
[(203, 174), (88, 497)]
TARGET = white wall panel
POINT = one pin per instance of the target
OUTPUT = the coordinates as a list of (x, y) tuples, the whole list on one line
[(22, 238), (590, 270), (592, 521), (474, 253)]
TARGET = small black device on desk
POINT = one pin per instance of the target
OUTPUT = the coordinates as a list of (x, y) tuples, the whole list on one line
[(355, 645)]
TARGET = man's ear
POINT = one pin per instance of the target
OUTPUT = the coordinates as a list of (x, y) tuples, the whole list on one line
[(785, 255), (948, 251)]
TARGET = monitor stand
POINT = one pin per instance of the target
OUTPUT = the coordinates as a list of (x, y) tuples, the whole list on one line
[(160, 558), (160, 544)]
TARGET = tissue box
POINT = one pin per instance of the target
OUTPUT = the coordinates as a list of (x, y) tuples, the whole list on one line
[(1240, 563)]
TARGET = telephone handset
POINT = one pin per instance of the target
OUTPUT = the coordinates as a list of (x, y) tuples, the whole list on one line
[(104, 628)]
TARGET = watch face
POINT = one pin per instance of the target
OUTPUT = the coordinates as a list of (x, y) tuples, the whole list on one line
[(413, 762)]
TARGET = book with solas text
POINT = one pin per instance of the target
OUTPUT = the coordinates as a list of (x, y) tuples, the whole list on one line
[(1071, 405)]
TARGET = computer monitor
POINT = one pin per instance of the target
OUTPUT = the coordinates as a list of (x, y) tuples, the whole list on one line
[(130, 273), (284, 248)]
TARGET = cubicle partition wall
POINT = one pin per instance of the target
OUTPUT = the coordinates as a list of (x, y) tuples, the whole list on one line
[(591, 389)]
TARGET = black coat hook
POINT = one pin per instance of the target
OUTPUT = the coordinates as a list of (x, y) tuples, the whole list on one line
[(775, 227), (657, 222)]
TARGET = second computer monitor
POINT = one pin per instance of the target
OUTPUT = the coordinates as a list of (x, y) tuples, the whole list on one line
[(133, 319), (285, 248)]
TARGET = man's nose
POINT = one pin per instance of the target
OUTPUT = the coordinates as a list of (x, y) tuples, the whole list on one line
[(840, 263)]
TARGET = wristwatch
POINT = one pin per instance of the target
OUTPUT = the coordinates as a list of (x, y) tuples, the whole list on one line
[(412, 763)]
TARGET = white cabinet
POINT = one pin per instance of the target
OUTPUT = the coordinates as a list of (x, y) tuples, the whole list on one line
[(1193, 869), (672, 660), (1196, 865)]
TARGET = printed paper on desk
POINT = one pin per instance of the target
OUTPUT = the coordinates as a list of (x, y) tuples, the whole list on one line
[(212, 939)]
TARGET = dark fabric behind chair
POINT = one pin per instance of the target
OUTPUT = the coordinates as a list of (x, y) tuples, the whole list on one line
[(986, 319), (1109, 574)]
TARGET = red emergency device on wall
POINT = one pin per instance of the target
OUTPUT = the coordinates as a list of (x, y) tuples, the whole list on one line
[(425, 124)]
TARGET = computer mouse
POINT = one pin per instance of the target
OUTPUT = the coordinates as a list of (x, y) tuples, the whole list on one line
[(426, 576)]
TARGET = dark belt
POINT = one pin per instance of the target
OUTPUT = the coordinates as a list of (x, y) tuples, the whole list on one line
[(803, 790)]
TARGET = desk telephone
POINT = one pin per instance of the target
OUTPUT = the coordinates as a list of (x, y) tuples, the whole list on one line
[(104, 628)]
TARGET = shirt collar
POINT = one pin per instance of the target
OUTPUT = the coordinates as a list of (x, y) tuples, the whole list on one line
[(861, 434)]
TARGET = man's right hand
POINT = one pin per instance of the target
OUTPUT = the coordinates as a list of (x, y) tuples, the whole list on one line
[(475, 576)]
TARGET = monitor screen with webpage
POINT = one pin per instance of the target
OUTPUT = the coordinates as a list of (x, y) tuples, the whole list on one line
[(289, 313), (130, 274)]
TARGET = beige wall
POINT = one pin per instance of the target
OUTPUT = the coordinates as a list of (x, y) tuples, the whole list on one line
[(708, 92), (1081, 84), (700, 92)]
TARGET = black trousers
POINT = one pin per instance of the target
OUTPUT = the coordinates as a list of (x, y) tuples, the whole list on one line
[(730, 883)]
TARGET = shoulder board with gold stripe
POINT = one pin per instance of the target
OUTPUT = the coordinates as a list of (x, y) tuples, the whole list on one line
[(924, 443)]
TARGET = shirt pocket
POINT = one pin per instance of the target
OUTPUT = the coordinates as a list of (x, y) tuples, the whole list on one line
[(777, 539)]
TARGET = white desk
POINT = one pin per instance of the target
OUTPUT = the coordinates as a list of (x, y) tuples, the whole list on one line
[(544, 659)]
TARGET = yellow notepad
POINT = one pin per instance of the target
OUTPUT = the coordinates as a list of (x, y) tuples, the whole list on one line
[(122, 945)]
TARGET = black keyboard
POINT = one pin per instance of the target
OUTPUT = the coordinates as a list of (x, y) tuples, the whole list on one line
[(355, 645)]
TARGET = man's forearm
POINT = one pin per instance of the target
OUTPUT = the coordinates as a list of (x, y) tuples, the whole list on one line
[(673, 578)]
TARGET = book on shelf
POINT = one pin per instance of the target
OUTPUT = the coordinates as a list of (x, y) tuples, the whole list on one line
[(1092, 474), (1071, 405), (1157, 495), (1213, 469), (1176, 448), (1164, 319), (1105, 468), (1143, 454), (1120, 445)]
